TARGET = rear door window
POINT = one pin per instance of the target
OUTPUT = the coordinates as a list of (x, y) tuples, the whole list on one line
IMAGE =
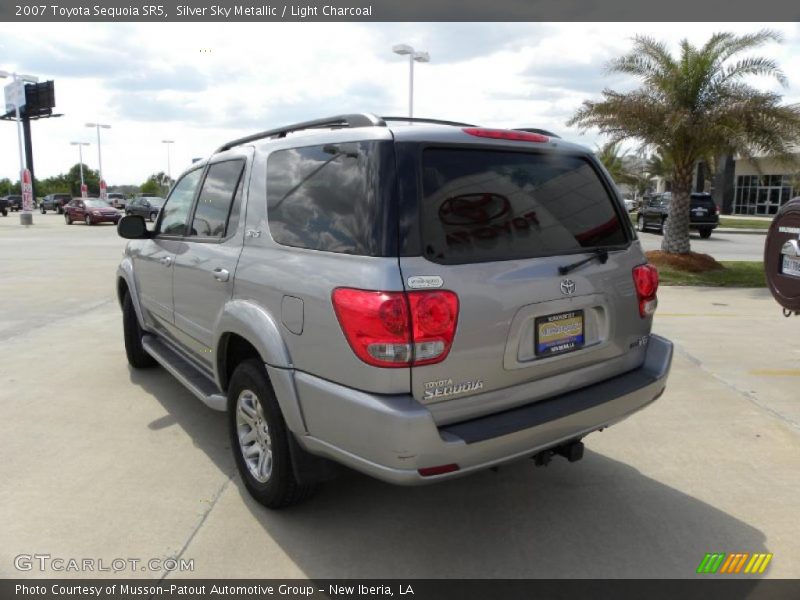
[(331, 197), (216, 199), (487, 205)]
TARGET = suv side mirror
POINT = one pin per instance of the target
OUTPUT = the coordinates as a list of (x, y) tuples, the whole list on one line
[(133, 227)]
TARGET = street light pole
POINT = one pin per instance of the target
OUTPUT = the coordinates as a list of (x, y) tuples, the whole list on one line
[(99, 152), (80, 146), (169, 166), (413, 56), (26, 217)]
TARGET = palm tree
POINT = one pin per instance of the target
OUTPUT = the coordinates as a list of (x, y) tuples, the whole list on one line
[(614, 162), (693, 106)]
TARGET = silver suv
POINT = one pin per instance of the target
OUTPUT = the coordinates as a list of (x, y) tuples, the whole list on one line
[(413, 300)]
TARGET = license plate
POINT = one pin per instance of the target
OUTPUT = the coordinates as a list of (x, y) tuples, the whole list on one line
[(791, 266), (559, 333)]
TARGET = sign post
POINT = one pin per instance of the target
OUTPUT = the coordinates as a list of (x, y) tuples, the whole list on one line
[(27, 191), (84, 191), (103, 191), (15, 95)]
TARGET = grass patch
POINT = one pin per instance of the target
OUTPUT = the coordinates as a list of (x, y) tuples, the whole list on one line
[(729, 223), (734, 273), (701, 269), (745, 223)]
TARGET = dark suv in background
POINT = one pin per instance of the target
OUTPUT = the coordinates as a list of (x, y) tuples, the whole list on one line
[(54, 202), (14, 202), (703, 213)]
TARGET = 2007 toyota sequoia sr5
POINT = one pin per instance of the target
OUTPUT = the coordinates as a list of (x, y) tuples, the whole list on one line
[(415, 301)]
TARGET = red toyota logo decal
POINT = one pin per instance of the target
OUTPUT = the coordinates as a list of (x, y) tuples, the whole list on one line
[(473, 209)]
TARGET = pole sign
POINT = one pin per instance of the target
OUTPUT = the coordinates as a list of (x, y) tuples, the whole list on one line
[(84, 191), (15, 95), (27, 191), (103, 191)]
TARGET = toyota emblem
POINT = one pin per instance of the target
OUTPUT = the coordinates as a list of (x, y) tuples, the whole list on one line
[(567, 287)]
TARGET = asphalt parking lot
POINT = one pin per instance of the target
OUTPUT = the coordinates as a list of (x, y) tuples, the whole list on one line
[(103, 462)]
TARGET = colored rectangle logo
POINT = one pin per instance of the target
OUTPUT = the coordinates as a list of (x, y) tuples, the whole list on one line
[(734, 563)]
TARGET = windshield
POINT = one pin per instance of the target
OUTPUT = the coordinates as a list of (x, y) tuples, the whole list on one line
[(485, 205)]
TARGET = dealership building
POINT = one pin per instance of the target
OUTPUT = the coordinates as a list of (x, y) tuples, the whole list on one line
[(761, 189), (745, 186)]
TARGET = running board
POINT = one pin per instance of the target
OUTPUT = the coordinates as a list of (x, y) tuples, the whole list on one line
[(185, 372)]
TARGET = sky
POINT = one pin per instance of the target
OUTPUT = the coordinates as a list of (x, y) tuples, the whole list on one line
[(202, 84)]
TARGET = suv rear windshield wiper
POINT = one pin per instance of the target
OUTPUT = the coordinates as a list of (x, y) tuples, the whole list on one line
[(600, 254)]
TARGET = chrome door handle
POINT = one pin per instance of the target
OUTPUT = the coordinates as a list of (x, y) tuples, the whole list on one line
[(166, 261), (221, 274)]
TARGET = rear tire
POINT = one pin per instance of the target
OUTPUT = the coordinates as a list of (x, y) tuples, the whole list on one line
[(705, 233), (67, 219), (132, 332), (640, 223), (260, 439), (661, 227), (42, 210)]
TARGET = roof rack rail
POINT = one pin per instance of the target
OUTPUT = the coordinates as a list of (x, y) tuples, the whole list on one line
[(537, 130), (432, 121), (352, 120)]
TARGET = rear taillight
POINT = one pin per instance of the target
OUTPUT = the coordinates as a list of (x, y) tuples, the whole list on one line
[(645, 278), (506, 134), (397, 329)]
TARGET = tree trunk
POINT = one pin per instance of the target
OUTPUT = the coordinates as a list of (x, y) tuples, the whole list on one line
[(676, 227)]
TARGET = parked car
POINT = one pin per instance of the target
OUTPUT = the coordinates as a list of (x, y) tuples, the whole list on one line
[(414, 302), (91, 211), (3, 207), (14, 202), (146, 207), (117, 200), (630, 204), (54, 202), (703, 213)]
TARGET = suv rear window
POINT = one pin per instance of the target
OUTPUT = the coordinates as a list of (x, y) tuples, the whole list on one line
[(331, 197), (704, 200), (486, 205)]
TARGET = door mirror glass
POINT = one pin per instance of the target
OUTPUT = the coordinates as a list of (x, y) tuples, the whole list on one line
[(132, 227)]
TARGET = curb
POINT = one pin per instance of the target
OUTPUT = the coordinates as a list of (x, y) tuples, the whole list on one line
[(741, 231)]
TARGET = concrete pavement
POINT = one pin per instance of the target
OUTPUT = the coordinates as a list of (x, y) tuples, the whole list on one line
[(104, 462)]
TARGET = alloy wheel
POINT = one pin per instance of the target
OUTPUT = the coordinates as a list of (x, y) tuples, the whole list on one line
[(255, 442)]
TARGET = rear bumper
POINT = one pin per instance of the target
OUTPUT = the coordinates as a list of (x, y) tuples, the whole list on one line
[(390, 437), (703, 225)]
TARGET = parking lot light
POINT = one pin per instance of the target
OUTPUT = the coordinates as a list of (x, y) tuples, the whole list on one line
[(98, 126), (413, 56), (80, 145), (169, 166)]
